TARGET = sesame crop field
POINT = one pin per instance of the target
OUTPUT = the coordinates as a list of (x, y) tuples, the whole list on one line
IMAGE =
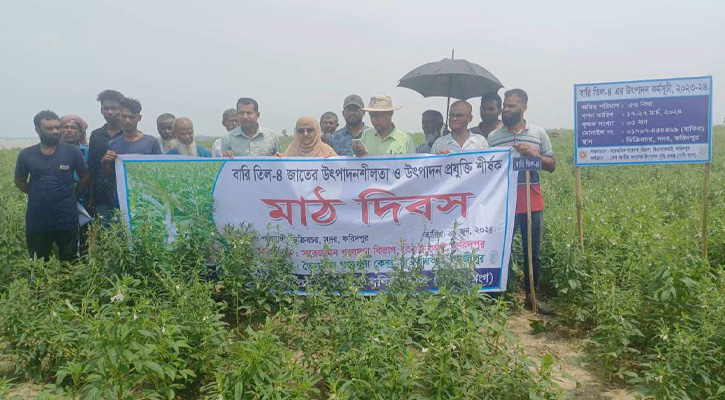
[(640, 314)]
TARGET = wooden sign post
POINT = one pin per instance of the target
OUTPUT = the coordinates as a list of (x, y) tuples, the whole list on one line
[(705, 195), (529, 164), (579, 222)]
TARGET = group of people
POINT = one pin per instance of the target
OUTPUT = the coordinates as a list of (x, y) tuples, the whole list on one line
[(67, 174)]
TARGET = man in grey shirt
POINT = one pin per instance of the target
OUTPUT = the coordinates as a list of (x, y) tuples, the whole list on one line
[(250, 139)]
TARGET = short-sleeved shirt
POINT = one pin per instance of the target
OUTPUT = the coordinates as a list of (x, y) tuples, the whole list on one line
[(448, 142), (145, 145), (264, 143), (104, 186), (51, 196), (200, 152), (342, 140), (397, 142), (537, 136)]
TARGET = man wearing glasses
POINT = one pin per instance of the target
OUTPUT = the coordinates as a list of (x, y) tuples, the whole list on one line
[(460, 139)]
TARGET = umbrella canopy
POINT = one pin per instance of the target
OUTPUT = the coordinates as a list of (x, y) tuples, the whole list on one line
[(458, 79)]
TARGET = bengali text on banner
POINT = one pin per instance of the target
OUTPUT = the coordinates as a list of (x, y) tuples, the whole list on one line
[(367, 213)]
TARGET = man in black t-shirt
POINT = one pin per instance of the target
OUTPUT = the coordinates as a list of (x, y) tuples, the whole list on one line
[(103, 187), (52, 215)]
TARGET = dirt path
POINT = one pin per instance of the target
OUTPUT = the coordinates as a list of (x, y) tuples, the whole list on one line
[(569, 361)]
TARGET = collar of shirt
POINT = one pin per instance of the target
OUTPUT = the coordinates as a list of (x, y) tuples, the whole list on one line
[(504, 128), (479, 127), (238, 131), (451, 140), (104, 130), (392, 135), (345, 131)]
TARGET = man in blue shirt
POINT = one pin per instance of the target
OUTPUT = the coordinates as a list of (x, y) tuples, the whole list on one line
[(132, 141), (52, 215), (352, 111), (184, 133)]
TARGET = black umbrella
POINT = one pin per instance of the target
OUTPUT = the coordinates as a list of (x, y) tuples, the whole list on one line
[(459, 79)]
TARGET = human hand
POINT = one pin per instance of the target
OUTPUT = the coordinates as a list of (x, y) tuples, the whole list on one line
[(527, 149), (444, 152), (109, 156), (359, 149), (229, 154)]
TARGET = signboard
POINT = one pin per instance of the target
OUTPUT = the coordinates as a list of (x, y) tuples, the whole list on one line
[(362, 212), (527, 163), (644, 122)]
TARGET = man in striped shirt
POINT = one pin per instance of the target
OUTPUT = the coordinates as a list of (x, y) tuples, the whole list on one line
[(532, 141)]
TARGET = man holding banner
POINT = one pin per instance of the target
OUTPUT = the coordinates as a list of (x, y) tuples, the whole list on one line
[(532, 141), (250, 138)]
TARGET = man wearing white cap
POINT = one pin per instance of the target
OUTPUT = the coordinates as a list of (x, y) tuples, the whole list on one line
[(386, 139)]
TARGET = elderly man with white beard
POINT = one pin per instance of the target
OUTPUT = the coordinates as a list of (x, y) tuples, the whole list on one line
[(184, 133)]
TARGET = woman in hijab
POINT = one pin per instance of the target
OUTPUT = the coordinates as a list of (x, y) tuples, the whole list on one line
[(307, 141)]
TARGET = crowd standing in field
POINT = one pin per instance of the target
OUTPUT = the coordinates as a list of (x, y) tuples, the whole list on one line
[(64, 177)]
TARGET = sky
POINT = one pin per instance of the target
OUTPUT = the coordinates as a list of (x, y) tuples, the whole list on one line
[(195, 58)]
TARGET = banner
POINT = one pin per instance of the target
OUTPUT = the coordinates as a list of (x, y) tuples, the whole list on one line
[(363, 212), (644, 122)]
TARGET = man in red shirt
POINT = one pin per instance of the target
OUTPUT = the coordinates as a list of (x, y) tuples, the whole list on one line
[(532, 141)]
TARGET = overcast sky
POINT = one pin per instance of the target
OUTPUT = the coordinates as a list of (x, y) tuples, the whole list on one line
[(195, 58)]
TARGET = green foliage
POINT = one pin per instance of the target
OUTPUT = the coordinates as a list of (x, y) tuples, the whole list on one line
[(211, 316), (641, 289)]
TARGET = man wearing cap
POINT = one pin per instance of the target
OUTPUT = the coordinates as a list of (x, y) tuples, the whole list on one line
[(352, 111), (385, 139)]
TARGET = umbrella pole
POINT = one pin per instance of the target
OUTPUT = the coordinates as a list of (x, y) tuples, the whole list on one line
[(450, 83), (448, 107)]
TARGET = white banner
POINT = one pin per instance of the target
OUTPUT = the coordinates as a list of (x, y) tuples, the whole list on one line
[(367, 212)]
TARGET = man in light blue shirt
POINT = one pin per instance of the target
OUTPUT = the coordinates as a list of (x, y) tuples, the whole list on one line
[(251, 139), (352, 111)]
